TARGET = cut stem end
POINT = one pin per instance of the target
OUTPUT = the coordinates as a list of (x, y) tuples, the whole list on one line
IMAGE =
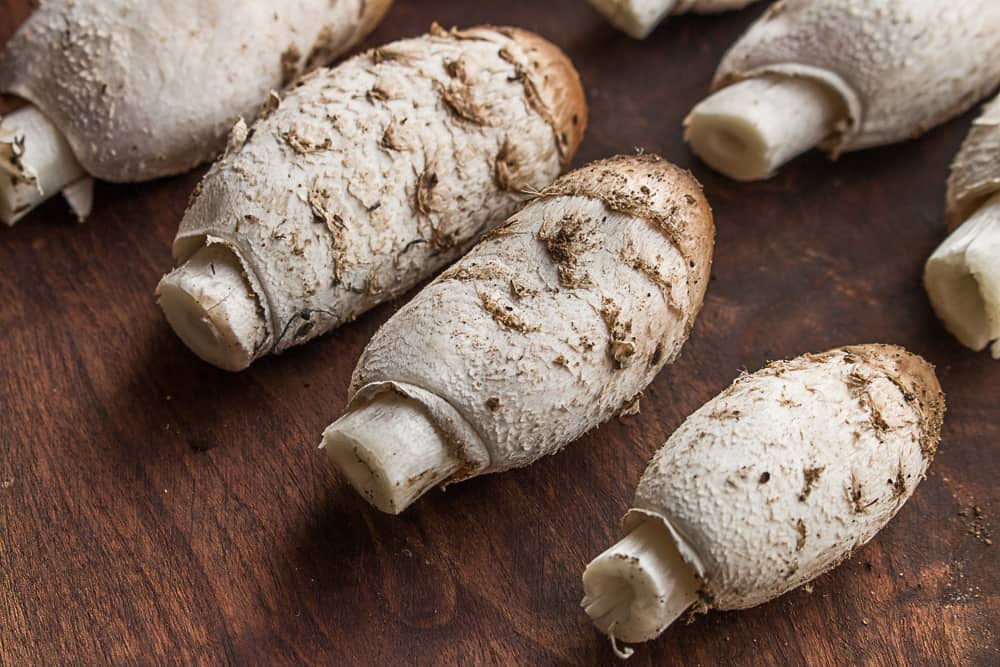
[(390, 451), (636, 18), (751, 128), (962, 278), (212, 308), (36, 163), (637, 588)]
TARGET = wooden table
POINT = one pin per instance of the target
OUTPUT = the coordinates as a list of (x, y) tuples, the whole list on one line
[(154, 509)]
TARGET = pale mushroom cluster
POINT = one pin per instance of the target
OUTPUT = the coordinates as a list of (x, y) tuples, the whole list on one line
[(557, 298), (108, 83), (364, 180)]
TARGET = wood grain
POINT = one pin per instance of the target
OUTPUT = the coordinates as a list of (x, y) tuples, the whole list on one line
[(155, 510)]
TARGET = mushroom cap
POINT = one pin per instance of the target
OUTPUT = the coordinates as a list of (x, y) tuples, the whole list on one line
[(144, 90), (783, 475), (649, 187), (900, 68), (975, 173), (370, 176), (372, 13), (559, 319), (553, 85)]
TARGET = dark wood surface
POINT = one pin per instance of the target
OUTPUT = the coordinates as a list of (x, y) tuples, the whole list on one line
[(155, 510)]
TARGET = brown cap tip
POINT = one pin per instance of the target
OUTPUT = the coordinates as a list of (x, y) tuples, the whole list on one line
[(918, 381), (649, 187), (553, 84), (372, 13)]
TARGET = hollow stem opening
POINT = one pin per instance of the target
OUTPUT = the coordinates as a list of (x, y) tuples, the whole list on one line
[(962, 278), (751, 128)]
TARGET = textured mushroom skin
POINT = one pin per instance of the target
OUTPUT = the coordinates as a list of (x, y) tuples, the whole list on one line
[(149, 89), (900, 67), (558, 320), (783, 475), (975, 174), (369, 177)]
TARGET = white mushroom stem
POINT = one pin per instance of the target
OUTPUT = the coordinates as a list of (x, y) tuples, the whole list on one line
[(80, 196), (751, 128), (390, 452), (636, 18), (638, 587), (963, 279), (211, 306), (35, 164)]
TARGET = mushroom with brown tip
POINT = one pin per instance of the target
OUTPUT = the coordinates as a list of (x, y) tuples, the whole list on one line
[(843, 75), (124, 91), (553, 324), (962, 275), (773, 482), (364, 180)]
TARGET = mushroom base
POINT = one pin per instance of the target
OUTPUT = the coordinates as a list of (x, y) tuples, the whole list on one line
[(211, 307), (962, 278), (751, 128), (638, 587), (390, 452), (37, 163)]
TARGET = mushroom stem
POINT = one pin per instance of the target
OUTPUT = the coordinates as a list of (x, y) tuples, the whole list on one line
[(211, 306), (962, 278), (636, 18), (36, 163), (390, 451), (638, 587), (751, 128)]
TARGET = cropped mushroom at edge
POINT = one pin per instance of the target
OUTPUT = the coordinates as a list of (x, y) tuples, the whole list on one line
[(775, 481), (109, 85), (364, 180), (553, 324), (962, 275), (638, 18), (843, 75)]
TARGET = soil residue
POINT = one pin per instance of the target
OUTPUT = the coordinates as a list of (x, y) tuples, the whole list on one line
[(426, 183), (505, 315), (459, 101), (809, 478), (290, 65), (565, 242), (621, 343), (976, 524)]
